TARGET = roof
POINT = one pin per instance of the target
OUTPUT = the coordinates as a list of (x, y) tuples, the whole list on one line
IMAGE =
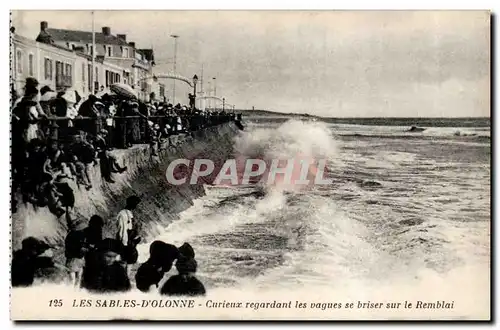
[(84, 37), (45, 38), (20, 38), (148, 54)]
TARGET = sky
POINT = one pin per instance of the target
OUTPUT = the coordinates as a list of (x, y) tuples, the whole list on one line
[(327, 63)]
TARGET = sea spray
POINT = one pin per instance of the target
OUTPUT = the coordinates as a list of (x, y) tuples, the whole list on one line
[(469, 300), (294, 143)]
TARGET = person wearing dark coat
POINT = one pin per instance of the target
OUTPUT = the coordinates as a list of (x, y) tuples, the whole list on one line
[(93, 233), (107, 161), (87, 109), (150, 273), (81, 243), (186, 250), (107, 273), (185, 283), (27, 261)]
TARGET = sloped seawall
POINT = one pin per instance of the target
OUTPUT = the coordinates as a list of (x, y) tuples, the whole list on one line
[(145, 177)]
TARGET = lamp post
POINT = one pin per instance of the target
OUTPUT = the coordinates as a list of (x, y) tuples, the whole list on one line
[(195, 81), (209, 94), (175, 64), (93, 75), (223, 103)]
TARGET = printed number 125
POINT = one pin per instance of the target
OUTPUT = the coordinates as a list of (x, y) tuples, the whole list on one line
[(55, 303)]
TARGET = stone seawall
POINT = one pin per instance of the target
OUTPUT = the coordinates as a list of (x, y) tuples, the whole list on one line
[(145, 177)]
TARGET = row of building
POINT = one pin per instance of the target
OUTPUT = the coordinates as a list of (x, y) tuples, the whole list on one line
[(62, 59)]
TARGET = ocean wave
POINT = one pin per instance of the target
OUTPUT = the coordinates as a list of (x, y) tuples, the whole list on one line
[(463, 136), (471, 301), (297, 141), (381, 131)]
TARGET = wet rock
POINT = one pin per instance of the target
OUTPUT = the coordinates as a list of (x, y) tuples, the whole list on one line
[(411, 222), (370, 184), (416, 129), (241, 258)]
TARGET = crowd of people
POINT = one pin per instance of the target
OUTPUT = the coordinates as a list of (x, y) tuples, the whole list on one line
[(58, 137), (104, 264)]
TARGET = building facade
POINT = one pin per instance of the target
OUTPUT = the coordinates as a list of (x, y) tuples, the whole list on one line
[(62, 59), (53, 66)]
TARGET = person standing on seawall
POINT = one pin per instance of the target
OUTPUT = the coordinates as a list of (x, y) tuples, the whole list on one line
[(127, 232)]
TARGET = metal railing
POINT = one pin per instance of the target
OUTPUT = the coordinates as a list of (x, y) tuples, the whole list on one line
[(126, 130)]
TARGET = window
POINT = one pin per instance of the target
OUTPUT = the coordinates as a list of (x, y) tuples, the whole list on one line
[(59, 74), (30, 65), (110, 51), (48, 69), (125, 52), (89, 49), (69, 74), (59, 69), (83, 76), (19, 61), (112, 78), (89, 70)]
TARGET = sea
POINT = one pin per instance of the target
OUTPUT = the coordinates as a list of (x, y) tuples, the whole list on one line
[(403, 207), (407, 216)]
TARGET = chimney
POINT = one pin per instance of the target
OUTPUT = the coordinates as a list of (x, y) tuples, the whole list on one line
[(132, 44), (43, 25), (106, 31), (122, 36)]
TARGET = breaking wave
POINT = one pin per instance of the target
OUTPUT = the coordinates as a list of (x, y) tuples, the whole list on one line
[(344, 242)]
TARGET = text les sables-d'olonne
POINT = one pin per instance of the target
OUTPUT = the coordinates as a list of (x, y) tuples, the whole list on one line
[(191, 303)]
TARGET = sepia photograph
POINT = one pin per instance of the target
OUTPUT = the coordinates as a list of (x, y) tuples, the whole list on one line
[(243, 165)]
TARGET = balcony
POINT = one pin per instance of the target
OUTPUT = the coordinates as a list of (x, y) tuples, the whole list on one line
[(142, 64), (63, 82)]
